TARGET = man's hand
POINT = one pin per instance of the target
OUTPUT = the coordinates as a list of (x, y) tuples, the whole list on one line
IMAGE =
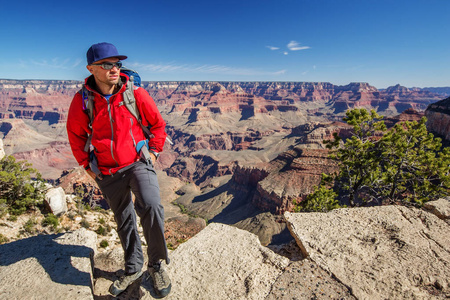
[(90, 173), (153, 158)]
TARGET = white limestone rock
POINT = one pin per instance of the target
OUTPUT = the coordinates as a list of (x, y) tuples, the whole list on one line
[(222, 262), (388, 252), (55, 199), (440, 207), (48, 267)]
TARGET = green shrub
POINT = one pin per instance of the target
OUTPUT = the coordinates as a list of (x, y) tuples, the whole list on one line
[(21, 187), (104, 244), (3, 239), (84, 223), (29, 226), (101, 230), (321, 200), (51, 220), (12, 218)]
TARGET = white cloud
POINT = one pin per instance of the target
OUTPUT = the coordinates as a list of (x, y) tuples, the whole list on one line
[(285, 53), (295, 46), (207, 69), (272, 47), (55, 63)]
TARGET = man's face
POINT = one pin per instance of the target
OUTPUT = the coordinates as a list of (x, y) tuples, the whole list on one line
[(102, 76)]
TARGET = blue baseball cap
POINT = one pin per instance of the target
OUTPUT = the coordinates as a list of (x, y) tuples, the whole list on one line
[(101, 51)]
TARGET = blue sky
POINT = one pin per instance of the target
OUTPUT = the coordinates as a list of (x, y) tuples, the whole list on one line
[(382, 42)]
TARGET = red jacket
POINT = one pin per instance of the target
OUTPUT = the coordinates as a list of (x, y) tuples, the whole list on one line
[(115, 130)]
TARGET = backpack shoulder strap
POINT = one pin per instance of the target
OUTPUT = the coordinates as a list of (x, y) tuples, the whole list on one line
[(88, 107), (130, 102)]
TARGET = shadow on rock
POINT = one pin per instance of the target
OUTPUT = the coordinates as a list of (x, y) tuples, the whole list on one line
[(55, 258)]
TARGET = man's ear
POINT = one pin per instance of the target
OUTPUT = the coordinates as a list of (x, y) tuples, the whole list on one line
[(89, 68)]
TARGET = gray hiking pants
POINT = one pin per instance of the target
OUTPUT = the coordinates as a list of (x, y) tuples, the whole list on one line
[(140, 179)]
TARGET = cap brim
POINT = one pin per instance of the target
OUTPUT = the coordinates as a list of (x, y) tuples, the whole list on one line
[(120, 57)]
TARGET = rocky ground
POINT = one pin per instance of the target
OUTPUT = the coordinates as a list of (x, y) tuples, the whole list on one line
[(388, 252)]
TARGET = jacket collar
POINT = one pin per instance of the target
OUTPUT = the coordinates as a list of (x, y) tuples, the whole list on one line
[(90, 84)]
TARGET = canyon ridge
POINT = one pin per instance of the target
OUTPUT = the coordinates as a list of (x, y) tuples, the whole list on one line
[(242, 152)]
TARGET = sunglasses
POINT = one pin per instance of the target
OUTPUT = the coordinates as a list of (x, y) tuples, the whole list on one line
[(109, 65)]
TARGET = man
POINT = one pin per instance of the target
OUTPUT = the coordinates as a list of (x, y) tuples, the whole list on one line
[(115, 135)]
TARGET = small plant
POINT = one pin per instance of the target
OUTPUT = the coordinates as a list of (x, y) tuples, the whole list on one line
[(3, 239), (87, 207), (51, 220), (12, 218), (180, 241), (101, 221), (98, 208), (104, 244), (71, 216), (84, 223), (170, 246), (29, 226), (79, 192), (101, 230)]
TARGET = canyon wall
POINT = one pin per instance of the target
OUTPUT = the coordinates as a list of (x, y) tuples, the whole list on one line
[(438, 118)]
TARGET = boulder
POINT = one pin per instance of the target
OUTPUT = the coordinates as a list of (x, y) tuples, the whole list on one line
[(388, 252), (48, 266), (222, 262), (55, 199)]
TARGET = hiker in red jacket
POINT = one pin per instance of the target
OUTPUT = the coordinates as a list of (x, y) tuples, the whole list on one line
[(110, 149)]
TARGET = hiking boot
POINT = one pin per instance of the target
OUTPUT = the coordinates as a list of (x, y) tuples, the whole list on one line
[(123, 282), (161, 280)]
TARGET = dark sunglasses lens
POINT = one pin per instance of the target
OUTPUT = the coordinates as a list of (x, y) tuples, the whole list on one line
[(109, 66)]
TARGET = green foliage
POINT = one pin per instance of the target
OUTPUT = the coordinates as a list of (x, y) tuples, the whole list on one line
[(85, 223), (12, 218), (3, 239), (101, 230), (51, 220), (170, 246), (104, 244), (402, 165), (29, 226), (21, 187), (322, 199), (359, 157), (415, 168)]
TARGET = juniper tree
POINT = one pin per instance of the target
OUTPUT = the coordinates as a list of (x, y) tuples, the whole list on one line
[(21, 186), (403, 164), (359, 157), (414, 166)]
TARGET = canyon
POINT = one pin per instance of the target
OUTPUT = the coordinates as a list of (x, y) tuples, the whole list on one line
[(242, 152)]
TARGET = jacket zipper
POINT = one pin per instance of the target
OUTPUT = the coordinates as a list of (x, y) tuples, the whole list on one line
[(131, 132), (112, 133)]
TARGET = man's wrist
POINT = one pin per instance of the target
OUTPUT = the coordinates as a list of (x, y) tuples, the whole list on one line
[(156, 154)]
